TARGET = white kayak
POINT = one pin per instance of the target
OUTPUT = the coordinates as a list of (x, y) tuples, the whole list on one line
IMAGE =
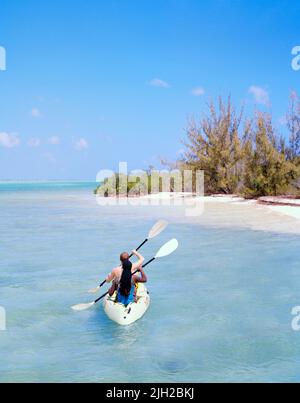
[(125, 315)]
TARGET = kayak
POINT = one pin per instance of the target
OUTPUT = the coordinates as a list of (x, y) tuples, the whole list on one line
[(126, 315)]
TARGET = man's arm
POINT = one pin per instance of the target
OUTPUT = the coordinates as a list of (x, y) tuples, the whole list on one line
[(142, 278), (111, 275), (112, 289), (140, 261)]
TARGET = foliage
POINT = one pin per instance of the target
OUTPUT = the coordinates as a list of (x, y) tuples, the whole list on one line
[(139, 184), (245, 157)]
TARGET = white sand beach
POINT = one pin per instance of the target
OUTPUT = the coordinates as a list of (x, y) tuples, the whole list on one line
[(288, 207), (272, 214)]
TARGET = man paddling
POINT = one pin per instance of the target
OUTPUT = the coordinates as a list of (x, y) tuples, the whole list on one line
[(123, 280)]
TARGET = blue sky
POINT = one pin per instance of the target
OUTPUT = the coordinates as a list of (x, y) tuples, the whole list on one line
[(91, 83)]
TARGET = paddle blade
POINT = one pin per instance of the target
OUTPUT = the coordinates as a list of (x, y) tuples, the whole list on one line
[(167, 249), (82, 307), (157, 228), (94, 290)]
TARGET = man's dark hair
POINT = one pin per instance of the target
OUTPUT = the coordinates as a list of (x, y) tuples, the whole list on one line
[(124, 256)]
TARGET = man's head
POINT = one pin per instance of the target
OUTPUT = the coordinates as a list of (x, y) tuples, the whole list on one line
[(124, 256)]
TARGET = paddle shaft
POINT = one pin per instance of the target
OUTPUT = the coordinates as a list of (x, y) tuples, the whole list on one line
[(104, 295), (142, 244), (146, 264)]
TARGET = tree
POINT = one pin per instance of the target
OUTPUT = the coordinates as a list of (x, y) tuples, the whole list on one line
[(214, 145), (267, 171), (252, 162), (293, 124)]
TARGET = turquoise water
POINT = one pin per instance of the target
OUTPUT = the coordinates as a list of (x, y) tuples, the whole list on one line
[(220, 310), (45, 186)]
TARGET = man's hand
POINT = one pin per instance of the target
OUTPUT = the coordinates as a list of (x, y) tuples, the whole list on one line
[(139, 262)]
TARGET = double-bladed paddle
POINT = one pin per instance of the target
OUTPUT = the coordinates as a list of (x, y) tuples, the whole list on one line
[(165, 250), (155, 230)]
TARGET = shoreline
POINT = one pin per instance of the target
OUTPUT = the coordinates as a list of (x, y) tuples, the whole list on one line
[(279, 201), (282, 205), (286, 206)]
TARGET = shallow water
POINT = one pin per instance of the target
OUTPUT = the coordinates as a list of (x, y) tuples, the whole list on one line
[(221, 304)]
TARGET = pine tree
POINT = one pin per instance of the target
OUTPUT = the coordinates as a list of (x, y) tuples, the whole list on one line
[(267, 171), (293, 124), (214, 146), (253, 162)]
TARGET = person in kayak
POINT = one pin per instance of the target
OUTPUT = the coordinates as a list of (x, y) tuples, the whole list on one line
[(124, 282)]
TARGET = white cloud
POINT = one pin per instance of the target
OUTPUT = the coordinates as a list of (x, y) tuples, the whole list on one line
[(34, 142), (9, 140), (198, 91), (260, 95), (54, 140), (35, 113), (156, 82), (81, 144)]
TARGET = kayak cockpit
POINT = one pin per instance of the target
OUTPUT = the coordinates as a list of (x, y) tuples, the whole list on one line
[(125, 315)]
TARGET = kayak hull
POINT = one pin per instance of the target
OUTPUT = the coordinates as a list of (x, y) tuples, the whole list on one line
[(126, 315)]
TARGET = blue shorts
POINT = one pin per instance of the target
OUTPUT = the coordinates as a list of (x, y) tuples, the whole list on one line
[(122, 299)]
